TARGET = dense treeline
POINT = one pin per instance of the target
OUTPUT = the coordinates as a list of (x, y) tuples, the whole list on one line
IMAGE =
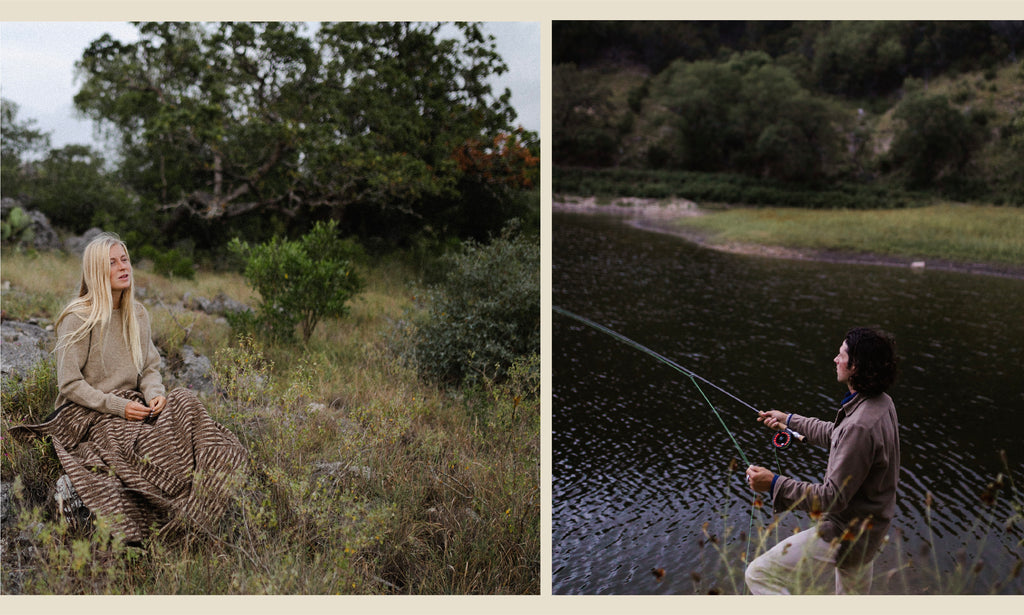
[(255, 130), (936, 107)]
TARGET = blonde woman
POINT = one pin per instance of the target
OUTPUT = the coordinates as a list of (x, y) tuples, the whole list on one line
[(141, 457)]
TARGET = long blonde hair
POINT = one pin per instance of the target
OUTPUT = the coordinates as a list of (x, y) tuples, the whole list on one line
[(95, 302)]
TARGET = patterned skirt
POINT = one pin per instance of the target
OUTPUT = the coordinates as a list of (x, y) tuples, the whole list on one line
[(174, 472)]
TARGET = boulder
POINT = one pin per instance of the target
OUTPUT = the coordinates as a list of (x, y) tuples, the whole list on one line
[(45, 238), (76, 245), (23, 345), (195, 371), (7, 204)]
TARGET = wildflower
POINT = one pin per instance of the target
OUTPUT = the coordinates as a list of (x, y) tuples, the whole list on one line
[(758, 502), (848, 536)]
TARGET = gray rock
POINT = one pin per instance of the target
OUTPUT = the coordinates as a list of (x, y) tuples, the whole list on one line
[(221, 304), (76, 245), (23, 345), (46, 238), (195, 371), (339, 469), (7, 204)]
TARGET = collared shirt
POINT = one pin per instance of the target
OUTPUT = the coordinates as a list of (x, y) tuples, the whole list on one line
[(857, 498)]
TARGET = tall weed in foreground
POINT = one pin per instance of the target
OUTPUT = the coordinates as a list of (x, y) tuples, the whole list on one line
[(466, 488), (899, 569)]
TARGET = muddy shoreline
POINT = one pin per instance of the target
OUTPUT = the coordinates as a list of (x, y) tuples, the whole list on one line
[(649, 215)]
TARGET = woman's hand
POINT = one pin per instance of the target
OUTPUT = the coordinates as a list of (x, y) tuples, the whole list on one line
[(773, 419), (157, 404), (135, 411)]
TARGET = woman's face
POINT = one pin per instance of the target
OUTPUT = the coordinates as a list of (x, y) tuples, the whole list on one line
[(120, 268)]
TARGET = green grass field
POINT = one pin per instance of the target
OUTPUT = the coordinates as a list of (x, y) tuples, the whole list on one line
[(962, 233)]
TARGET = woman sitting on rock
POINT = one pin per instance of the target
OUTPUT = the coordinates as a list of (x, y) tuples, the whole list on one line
[(142, 459)]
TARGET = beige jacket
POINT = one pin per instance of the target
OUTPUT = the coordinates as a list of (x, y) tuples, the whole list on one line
[(88, 371), (858, 494)]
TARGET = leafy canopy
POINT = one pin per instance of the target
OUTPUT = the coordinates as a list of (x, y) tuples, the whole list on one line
[(224, 119)]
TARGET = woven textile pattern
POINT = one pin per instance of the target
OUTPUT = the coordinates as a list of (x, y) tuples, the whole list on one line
[(173, 472)]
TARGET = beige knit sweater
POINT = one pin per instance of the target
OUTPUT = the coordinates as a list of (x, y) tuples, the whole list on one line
[(89, 370)]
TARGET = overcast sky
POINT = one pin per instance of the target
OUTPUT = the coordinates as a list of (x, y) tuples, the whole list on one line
[(37, 71)]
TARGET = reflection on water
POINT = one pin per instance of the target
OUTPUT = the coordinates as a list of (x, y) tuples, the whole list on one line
[(641, 467)]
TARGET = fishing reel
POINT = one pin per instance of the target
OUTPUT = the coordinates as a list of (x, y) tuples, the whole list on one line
[(781, 439)]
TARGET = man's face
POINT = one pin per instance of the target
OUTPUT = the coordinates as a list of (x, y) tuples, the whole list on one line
[(842, 360)]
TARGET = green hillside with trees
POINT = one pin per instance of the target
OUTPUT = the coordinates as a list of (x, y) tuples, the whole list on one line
[(805, 114)]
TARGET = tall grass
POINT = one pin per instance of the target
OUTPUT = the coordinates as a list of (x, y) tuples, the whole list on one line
[(366, 480), (903, 567), (970, 233)]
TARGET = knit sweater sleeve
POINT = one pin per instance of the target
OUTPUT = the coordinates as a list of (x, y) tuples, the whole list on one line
[(71, 361), (151, 383)]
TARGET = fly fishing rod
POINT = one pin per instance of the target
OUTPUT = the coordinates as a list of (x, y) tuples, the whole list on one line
[(781, 439)]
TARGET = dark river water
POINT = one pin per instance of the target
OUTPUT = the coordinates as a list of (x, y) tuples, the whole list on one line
[(644, 475)]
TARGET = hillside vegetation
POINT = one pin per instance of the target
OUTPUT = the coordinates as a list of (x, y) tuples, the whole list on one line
[(919, 109)]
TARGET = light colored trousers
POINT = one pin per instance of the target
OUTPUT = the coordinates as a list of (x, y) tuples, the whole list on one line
[(794, 565)]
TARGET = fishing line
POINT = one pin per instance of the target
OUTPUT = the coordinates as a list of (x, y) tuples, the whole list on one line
[(781, 438)]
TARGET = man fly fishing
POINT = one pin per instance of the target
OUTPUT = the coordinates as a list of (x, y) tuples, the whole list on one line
[(857, 498)]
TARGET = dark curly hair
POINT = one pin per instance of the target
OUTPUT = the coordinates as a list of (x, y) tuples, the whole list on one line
[(872, 355)]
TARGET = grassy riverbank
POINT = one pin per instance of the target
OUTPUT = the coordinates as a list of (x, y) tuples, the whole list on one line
[(959, 233), (368, 479)]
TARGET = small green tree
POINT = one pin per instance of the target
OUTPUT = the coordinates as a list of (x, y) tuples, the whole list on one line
[(301, 281), (933, 139), (485, 313)]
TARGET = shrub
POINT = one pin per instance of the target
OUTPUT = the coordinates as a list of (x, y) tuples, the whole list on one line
[(485, 313), (301, 281), (170, 263)]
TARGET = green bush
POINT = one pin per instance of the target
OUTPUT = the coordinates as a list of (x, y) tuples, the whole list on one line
[(485, 313), (171, 263), (301, 281)]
